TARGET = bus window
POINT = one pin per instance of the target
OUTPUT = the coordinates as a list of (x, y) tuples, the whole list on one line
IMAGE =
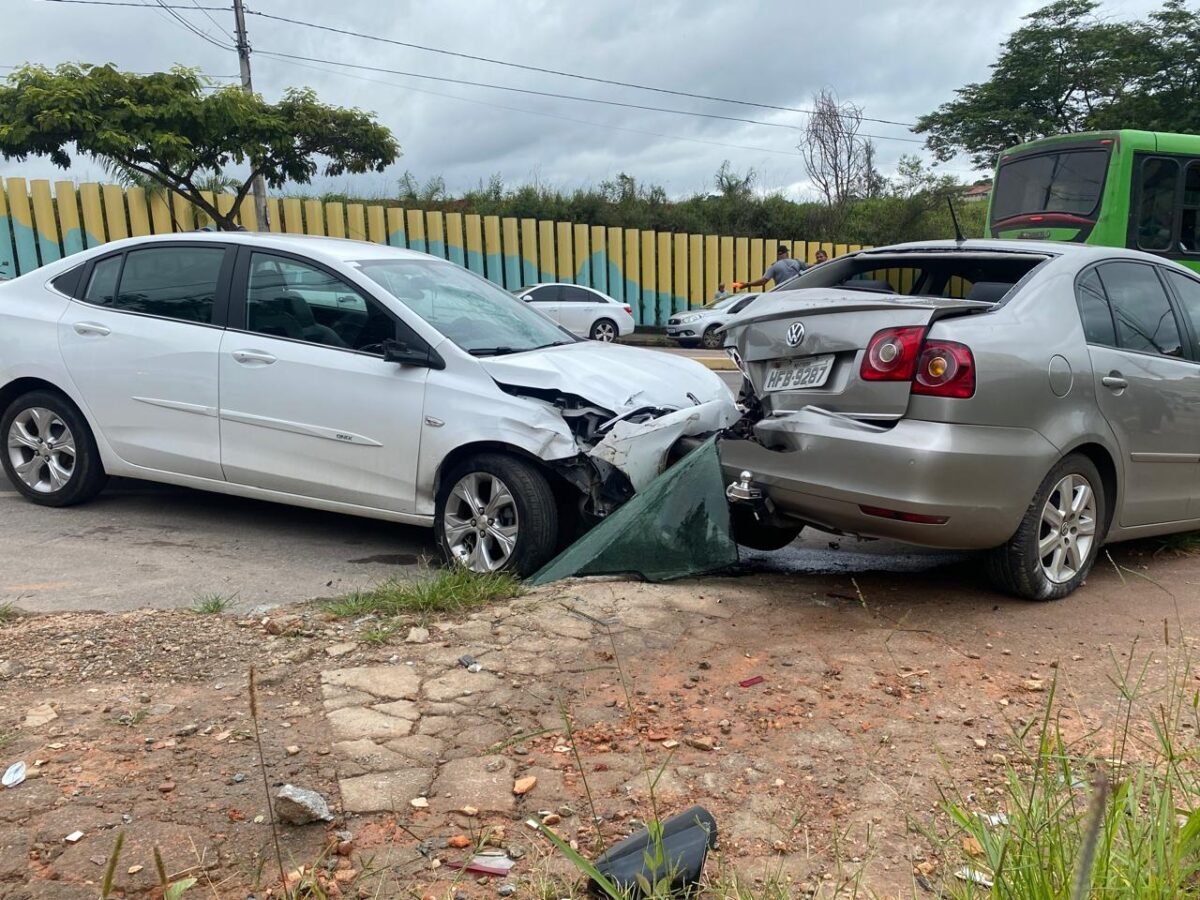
[(1156, 205), (1068, 182), (1189, 236)]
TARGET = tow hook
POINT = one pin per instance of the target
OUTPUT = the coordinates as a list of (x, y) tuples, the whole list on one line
[(743, 490), (745, 495)]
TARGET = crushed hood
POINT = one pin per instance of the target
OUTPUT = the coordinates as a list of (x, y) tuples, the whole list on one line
[(612, 376)]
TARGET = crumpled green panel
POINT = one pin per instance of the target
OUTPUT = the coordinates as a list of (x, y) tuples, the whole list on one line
[(677, 526)]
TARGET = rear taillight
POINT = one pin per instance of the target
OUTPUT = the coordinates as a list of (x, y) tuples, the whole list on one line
[(892, 355), (628, 309), (936, 368), (945, 369)]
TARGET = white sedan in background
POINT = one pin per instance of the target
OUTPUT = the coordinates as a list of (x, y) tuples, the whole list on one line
[(337, 375), (583, 311)]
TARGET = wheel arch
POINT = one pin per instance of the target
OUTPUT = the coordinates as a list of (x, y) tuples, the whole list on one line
[(1102, 459), (19, 386)]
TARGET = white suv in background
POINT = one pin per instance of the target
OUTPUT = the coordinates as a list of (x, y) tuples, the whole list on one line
[(583, 311)]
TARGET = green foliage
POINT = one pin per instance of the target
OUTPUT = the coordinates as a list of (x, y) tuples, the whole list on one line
[(8, 612), (455, 589), (911, 206), (175, 130), (1069, 69)]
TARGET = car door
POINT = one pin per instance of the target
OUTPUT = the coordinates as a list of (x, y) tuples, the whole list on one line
[(545, 299), (1147, 386), (140, 343), (315, 411), (1186, 289), (579, 309)]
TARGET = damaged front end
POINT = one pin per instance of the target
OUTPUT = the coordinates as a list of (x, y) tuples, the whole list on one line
[(622, 453)]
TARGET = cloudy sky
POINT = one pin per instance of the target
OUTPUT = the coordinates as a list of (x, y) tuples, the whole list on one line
[(895, 58)]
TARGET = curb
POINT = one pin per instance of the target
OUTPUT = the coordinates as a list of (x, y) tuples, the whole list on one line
[(716, 364)]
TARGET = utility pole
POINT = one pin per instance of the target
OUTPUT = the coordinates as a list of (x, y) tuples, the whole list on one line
[(243, 50)]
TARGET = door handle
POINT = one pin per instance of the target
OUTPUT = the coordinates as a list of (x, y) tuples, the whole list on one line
[(1114, 381), (91, 328), (253, 356)]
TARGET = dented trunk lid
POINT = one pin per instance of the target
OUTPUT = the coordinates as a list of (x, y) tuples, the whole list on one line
[(806, 349)]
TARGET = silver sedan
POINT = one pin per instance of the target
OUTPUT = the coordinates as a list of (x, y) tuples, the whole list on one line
[(1034, 400)]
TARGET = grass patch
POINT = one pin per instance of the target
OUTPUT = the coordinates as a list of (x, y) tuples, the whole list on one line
[(211, 604), (8, 613), (1099, 816), (452, 590), (379, 634), (1183, 544)]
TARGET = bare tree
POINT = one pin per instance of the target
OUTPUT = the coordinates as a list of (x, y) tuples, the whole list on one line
[(837, 159)]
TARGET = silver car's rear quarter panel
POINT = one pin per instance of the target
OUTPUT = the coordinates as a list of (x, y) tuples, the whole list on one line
[(824, 468)]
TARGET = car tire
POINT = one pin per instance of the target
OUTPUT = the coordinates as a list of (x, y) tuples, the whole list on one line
[(756, 535), (710, 340), (49, 453), (525, 513), (605, 330), (1047, 558)]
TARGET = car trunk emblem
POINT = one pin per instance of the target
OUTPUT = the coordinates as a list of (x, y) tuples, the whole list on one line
[(795, 333)]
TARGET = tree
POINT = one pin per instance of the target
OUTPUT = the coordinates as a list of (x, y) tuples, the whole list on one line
[(172, 129), (837, 160), (1068, 70)]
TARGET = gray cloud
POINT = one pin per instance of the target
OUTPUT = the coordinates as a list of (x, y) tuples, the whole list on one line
[(898, 58)]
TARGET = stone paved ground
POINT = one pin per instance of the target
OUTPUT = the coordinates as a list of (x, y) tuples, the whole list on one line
[(874, 693)]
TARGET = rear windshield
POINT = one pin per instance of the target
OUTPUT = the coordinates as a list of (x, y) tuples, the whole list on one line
[(1069, 181), (957, 274)]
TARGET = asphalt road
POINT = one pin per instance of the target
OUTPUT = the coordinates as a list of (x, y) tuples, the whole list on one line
[(145, 545)]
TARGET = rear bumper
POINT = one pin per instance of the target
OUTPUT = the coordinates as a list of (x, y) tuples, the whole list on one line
[(823, 468)]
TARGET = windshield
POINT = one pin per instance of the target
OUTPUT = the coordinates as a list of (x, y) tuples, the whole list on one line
[(475, 314), (1069, 181), (725, 302)]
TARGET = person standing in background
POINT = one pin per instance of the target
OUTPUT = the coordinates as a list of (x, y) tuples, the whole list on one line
[(783, 269)]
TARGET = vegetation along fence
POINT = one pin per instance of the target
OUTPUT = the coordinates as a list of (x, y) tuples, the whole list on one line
[(655, 273)]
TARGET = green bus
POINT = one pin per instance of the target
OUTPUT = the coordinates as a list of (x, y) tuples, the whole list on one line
[(1136, 189)]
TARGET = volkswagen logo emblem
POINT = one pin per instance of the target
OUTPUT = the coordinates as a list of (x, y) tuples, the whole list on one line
[(795, 334)]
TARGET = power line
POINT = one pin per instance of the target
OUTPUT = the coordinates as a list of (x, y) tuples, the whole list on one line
[(200, 33), (531, 112), (207, 15), (142, 5), (546, 71), (558, 96)]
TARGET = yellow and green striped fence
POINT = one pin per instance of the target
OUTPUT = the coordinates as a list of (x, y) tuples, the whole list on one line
[(656, 273)]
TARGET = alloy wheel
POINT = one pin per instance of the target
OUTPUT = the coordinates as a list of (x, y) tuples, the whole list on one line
[(41, 450), (480, 523), (1068, 529), (604, 331)]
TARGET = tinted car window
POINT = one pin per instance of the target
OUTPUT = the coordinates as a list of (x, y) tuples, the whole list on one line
[(1188, 291), (1141, 309), (102, 286), (292, 299), (572, 294), (68, 282), (1094, 311), (542, 294), (172, 282)]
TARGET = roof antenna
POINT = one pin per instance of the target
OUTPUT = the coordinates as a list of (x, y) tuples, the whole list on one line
[(958, 234)]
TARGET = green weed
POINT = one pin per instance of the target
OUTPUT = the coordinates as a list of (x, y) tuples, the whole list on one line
[(452, 590), (211, 604), (1121, 823), (8, 613)]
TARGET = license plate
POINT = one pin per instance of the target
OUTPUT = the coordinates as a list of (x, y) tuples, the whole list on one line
[(798, 374)]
